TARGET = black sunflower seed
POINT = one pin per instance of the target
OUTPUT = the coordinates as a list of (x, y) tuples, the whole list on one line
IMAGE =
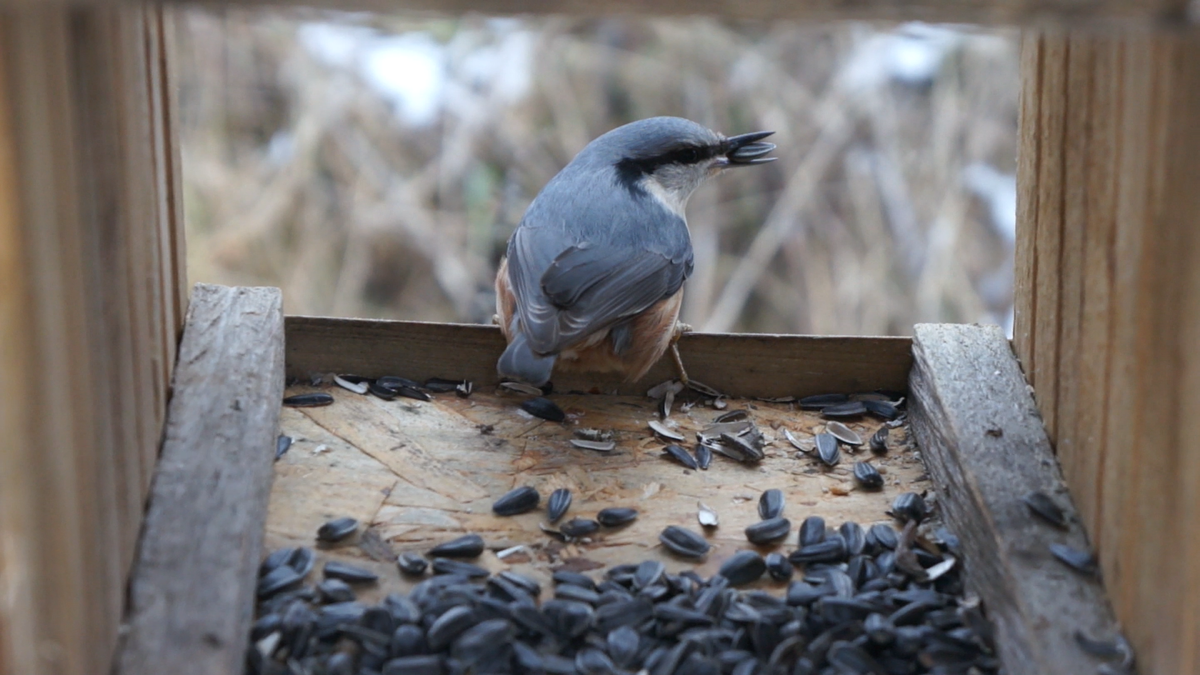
[(594, 662), (557, 505), (885, 409), (882, 536), (442, 385), (827, 449), (648, 573), (779, 567), (452, 623), (411, 563), (278, 579), (275, 559), (334, 590), (1043, 506), (867, 476), (680, 455), (574, 579), (879, 441), (395, 383), (302, 560), (426, 664), (683, 542), (282, 443), (447, 566), (466, 546), (831, 550), (848, 409), (770, 504), (704, 456), (909, 506), (743, 567), (767, 531), (313, 400), (579, 527), (520, 500), (854, 536), (812, 531), (543, 408), (623, 646), (380, 391), (1080, 561), (616, 516), (335, 569), (484, 640), (337, 529), (821, 401)]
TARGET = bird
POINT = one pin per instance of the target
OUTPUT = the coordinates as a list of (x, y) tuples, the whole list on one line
[(593, 276)]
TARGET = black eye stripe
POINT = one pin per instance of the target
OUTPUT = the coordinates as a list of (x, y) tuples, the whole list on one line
[(690, 154)]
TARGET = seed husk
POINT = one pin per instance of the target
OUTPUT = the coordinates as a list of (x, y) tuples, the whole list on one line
[(442, 385), (867, 475), (707, 516), (844, 410), (359, 387), (616, 516), (779, 567), (597, 446), (770, 504), (879, 441), (750, 453), (447, 566), (827, 449), (337, 529), (767, 531), (885, 409), (732, 416), (282, 443), (665, 432), (822, 401), (579, 527), (521, 388), (743, 567), (843, 433), (379, 391), (518, 500), (464, 389), (909, 506), (312, 400), (394, 382), (704, 456), (683, 542), (593, 434), (1043, 506), (557, 504), (703, 389), (659, 390), (680, 455), (1080, 561), (411, 563), (466, 546), (351, 574), (543, 408), (812, 531), (791, 438)]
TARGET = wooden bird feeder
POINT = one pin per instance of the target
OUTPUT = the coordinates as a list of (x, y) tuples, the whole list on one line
[(139, 413)]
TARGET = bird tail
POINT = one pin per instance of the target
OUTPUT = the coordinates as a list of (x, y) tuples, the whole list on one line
[(519, 361)]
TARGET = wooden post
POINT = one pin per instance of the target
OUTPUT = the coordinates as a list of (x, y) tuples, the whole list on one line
[(90, 314), (1108, 311)]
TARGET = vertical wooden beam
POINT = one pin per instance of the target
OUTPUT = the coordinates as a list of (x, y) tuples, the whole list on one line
[(82, 152), (1108, 329)]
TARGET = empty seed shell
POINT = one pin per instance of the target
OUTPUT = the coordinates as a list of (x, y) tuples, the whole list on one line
[(704, 456), (707, 516), (313, 400), (521, 388), (779, 567), (466, 546), (665, 432), (379, 391), (579, 527), (337, 529), (356, 387), (598, 446), (885, 409), (680, 455), (812, 531), (593, 434), (557, 505), (616, 516), (335, 569), (411, 563), (879, 441), (827, 449), (543, 408), (732, 416), (842, 410), (767, 531), (464, 389), (683, 542), (822, 401), (843, 433), (659, 390), (909, 506), (703, 389), (743, 567), (750, 452), (519, 500), (1043, 506), (791, 438), (1080, 561), (770, 504), (867, 475)]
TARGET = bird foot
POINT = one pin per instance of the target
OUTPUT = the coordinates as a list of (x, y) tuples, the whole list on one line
[(680, 329)]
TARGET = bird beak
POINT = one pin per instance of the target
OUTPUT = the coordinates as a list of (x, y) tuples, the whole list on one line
[(745, 150)]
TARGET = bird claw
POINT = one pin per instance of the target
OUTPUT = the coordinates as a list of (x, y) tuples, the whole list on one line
[(680, 329)]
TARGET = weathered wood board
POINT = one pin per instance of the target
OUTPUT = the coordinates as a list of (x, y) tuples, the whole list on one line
[(421, 473)]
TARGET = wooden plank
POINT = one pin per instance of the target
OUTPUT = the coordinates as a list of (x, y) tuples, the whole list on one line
[(191, 596), (739, 365), (985, 448), (1144, 13)]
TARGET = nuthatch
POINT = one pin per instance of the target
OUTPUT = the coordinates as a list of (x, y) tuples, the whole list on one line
[(594, 275)]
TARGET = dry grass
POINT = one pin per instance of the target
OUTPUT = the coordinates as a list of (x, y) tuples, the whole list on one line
[(298, 174)]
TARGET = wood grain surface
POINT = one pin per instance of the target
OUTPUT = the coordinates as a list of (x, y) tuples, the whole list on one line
[(191, 593), (1108, 310), (737, 364), (417, 474), (983, 441)]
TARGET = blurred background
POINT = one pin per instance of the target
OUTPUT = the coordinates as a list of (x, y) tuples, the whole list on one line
[(374, 166)]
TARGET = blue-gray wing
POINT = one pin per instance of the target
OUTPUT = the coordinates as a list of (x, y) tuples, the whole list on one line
[(587, 287)]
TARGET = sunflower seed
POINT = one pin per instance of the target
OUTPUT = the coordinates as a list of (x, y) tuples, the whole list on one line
[(831, 550), (749, 451), (854, 536), (812, 531), (879, 441), (302, 560), (466, 546), (521, 388), (770, 504), (452, 623), (683, 542), (821, 401), (885, 409), (703, 389), (732, 416), (279, 579), (413, 665), (356, 387), (519, 500), (622, 645), (703, 456), (464, 389), (827, 449), (616, 516), (335, 569), (659, 390), (680, 455), (334, 590), (743, 567), (867, 476), (379, 391), (596, 435), (665, 404), (843, 433), (557, 505), (598, 446), (648, 573), (851, 409), (543, 408), (882, 536), (909, 506), (1080, 561), (441, 385), (337, 529), (579, 527), (791, 438), (1042, 505), (664, 432), (707, 516), (313, 400), (282, 443), (778, 567), (482, 641), (592, 661), (411, 563), (446, 566), (767, 531)]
